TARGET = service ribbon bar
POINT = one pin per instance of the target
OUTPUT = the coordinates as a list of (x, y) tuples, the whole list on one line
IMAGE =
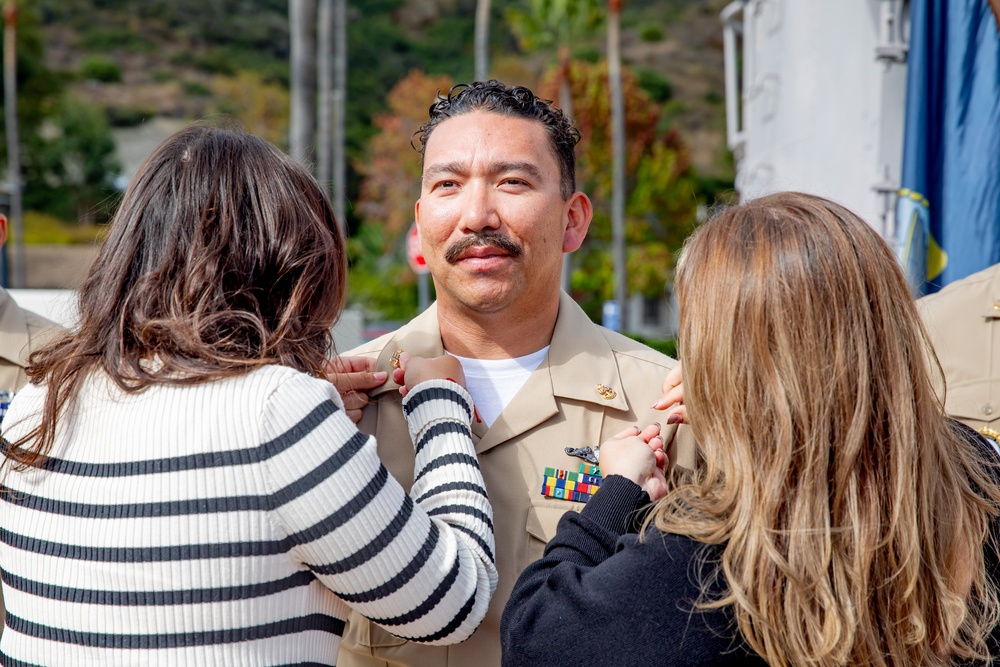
[(578, 486)]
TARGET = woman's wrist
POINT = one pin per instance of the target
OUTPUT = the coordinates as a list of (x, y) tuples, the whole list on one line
[(616, 503)]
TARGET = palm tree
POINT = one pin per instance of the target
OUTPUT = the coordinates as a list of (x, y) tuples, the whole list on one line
[(617, 158), (482, 68), (556, 23), (302, 22), (324, 92), (339, 142), (332, 85)]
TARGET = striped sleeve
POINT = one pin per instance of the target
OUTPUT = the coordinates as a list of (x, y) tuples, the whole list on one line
[(422, 564)]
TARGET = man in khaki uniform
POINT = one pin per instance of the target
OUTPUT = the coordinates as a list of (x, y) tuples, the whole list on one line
[(21, 333), (498, 209), (963, 322)]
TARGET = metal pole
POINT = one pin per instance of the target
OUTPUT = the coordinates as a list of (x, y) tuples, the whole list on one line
[(339, 139), (617, 161), (566, 104), (482, 39), (302, 33), (13, 139), (324, 98)]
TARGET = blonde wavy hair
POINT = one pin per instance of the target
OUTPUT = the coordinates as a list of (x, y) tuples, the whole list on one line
[(853, 514)]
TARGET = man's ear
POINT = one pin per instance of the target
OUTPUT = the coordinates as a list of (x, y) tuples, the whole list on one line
[(579, 213)]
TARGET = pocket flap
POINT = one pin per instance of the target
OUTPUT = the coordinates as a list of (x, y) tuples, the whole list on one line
[(976, 399), (543, 517)]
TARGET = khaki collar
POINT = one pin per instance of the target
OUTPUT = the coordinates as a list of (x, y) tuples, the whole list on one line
[(420, 337), (580, 362)]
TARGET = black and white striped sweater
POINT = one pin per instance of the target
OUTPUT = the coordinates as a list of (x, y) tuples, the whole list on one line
[(234, 523)]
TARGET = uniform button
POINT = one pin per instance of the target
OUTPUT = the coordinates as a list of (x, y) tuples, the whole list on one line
[(996, 305), (987, 410)]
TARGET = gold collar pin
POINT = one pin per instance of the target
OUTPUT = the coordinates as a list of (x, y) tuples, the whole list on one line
[(607, 392)]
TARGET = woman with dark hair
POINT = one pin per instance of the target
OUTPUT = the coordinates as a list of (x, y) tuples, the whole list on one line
[(839, 517), (181, 486)]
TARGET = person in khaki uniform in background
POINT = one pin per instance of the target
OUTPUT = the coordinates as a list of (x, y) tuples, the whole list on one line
[(963, 322), (498, 209), (21, 333)]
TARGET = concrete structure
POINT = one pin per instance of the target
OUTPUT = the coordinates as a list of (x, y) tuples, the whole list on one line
[(816, 103)]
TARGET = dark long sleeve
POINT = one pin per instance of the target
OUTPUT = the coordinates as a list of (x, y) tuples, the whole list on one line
[(599, 596)]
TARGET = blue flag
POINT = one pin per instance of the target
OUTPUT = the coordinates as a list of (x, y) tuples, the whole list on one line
[(948, 210)]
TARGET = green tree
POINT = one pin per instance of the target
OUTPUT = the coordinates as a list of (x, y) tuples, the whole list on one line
[(68, 164), (663, 192), (381, 280), (76, 167), (261, 106), (554, 25), (391, 170)]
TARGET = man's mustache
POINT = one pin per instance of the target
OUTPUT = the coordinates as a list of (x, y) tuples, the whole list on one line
[(499, 241)]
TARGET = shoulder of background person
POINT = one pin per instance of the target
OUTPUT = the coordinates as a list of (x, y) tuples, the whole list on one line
[(23, 331), (973, 291)]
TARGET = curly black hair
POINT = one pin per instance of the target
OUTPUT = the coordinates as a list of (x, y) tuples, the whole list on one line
[(516, 101)]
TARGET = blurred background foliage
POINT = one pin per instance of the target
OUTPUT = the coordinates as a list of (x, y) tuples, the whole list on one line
[(88, 69)]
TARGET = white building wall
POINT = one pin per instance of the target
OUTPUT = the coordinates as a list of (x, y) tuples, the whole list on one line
[(821, 101)]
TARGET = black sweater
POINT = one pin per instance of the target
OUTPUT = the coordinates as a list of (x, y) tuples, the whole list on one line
[(577, 607)]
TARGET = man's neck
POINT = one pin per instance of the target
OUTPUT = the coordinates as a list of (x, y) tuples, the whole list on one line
[(499, 335)]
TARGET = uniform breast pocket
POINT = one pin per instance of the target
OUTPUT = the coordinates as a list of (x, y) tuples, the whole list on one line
[(977, 403), (543, 519)]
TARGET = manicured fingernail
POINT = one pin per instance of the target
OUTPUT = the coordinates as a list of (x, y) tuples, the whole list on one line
[(379, 376), (673, 419)]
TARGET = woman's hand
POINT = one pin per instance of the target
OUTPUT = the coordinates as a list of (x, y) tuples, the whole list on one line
[(638, 455), (354, 377), (414, 370), (672, 399)]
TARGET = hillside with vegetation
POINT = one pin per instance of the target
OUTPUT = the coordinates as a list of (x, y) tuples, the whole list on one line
[(90, 67)]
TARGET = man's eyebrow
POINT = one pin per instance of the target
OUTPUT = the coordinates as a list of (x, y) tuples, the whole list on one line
[(436, 170), (529, 168), (458, 169)]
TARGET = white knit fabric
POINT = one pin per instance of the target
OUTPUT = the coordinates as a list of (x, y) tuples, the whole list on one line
[(208, 525)]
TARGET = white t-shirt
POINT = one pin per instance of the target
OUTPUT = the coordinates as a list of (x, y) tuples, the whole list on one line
[(494, 382)]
